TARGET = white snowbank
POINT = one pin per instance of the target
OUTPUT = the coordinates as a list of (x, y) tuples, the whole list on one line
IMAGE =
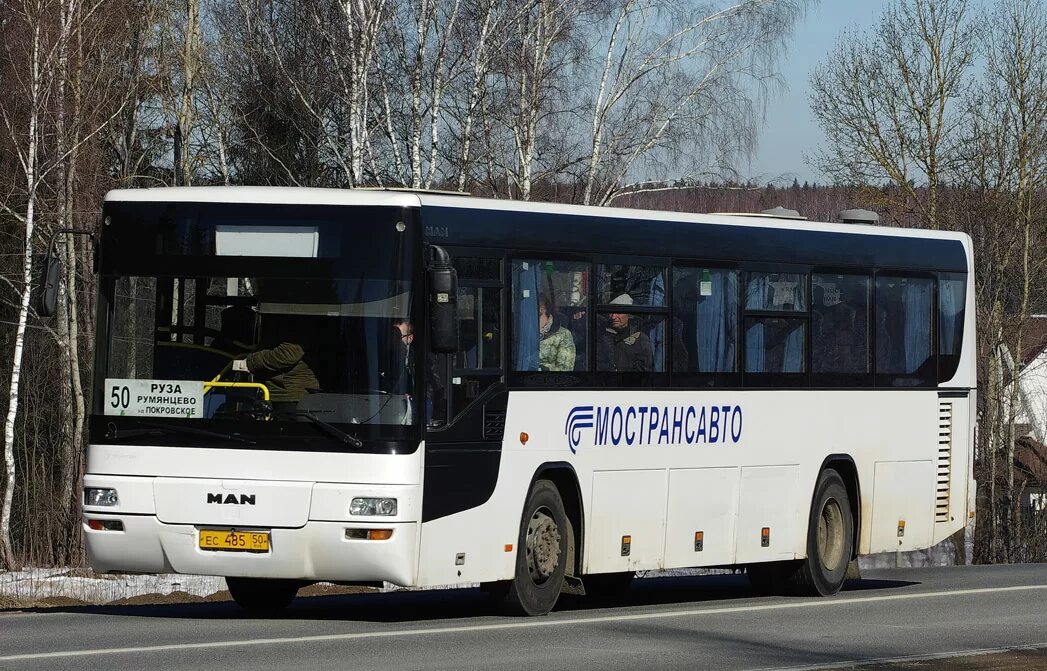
[(40, 583)]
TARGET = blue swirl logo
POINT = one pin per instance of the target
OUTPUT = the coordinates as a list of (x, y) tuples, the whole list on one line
[(580, 417)]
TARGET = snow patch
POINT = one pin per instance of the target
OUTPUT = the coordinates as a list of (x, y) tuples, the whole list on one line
[(40, 583)]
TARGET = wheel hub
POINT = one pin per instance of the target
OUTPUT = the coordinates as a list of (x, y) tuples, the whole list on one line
[(542, 546), (831, 542)]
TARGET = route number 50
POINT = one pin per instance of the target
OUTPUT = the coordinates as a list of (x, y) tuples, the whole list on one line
[(120, 397)]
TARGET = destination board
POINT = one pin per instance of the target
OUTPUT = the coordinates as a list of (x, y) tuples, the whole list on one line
[(154, 398)]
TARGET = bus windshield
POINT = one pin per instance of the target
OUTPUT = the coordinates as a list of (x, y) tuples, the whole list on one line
[(296, 354)]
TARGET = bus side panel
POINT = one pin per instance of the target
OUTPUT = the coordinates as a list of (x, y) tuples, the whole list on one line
[(626, 504), (478, 544), (701, 501), (903, 506), (759, 511)]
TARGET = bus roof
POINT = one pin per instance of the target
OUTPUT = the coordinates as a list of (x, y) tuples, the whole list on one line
[(288, 195)]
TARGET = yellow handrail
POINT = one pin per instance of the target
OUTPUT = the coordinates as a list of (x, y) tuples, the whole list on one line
[(240, 385)]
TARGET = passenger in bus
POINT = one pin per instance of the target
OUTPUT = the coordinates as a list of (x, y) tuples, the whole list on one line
[(622, 349), (556, 344)]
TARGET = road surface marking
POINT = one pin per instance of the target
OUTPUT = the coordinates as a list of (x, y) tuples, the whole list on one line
[(525, 624)]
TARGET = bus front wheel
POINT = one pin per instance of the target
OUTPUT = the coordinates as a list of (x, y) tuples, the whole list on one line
[(541, 556), (261, 595)]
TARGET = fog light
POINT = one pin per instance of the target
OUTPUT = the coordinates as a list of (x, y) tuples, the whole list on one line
[(372, 507), (98, 496), (105, 525)]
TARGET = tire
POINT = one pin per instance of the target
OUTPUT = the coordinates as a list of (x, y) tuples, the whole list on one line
[(541, 555), (830, 539), (262, 595)]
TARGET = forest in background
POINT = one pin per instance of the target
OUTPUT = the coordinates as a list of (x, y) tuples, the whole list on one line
[(935, 117)]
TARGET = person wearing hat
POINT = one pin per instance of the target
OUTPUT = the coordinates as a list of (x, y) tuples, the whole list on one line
[(622, 350)]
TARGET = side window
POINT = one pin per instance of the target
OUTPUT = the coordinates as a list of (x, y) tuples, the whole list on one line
[(903, 318), (952, 301), (633, 333), (775, 322), (705, 313), (550, 308), (840, 324)]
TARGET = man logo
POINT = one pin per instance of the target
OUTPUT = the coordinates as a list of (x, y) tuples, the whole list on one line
[(242, 500), (580, 417)]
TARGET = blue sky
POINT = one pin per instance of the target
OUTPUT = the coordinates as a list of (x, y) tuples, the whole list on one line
[(791, 130)]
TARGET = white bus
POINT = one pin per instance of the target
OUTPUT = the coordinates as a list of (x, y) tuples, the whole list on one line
[(357, 386)]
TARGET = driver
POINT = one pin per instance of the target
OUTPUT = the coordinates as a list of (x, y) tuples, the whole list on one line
[(283, 371)]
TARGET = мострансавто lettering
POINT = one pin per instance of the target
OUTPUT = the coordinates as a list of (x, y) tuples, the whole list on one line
[(668, 425)]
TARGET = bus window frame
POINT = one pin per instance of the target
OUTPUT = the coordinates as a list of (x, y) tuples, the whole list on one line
[(774, 380), (631, 380), (536, 379), (888, 380), (847, 380)]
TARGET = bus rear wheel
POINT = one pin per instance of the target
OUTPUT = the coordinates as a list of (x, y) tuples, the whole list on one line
[(262, 595), (830, 539), (830, 544), (541, 556)]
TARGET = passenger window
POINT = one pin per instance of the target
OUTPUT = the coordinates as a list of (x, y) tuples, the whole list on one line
[(630, 343), (550, 316), (903, 330), (840, 324), (952, 299), (705, 317), (645, 285), (774, 345), (776, 292)]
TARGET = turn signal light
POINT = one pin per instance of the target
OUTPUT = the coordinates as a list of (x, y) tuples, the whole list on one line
[(699, 541), (765, 537), (524, 438), (369, 534), (105, 525)]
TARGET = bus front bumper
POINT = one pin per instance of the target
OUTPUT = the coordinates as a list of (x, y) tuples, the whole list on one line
[(315, 551)]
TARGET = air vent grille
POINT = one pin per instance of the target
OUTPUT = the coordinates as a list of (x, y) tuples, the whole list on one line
[(494, 423), (941, 509)]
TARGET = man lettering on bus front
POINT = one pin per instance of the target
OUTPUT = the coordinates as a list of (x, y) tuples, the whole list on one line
[(620, 349)]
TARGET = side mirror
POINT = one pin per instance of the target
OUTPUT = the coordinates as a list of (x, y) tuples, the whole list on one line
[(443, 302), (50, 279)]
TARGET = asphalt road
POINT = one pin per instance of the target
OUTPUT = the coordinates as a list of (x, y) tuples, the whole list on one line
[(902, 616)]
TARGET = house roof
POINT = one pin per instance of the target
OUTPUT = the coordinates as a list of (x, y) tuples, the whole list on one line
[(1030, 457), (1035, 338)]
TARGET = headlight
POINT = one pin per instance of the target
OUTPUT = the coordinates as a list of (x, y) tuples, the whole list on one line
[(372, 507), (97, 496)]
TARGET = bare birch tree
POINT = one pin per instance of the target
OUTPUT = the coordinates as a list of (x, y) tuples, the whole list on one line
[(677, 79), (886, 101)]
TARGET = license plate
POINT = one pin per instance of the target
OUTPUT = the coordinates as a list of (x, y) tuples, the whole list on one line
[(230, 540)]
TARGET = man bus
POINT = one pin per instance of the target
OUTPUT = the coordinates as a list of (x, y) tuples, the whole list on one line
[(807, 393)]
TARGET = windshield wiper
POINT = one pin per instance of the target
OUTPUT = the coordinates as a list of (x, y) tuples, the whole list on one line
[(112, 433), (346, 438)]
